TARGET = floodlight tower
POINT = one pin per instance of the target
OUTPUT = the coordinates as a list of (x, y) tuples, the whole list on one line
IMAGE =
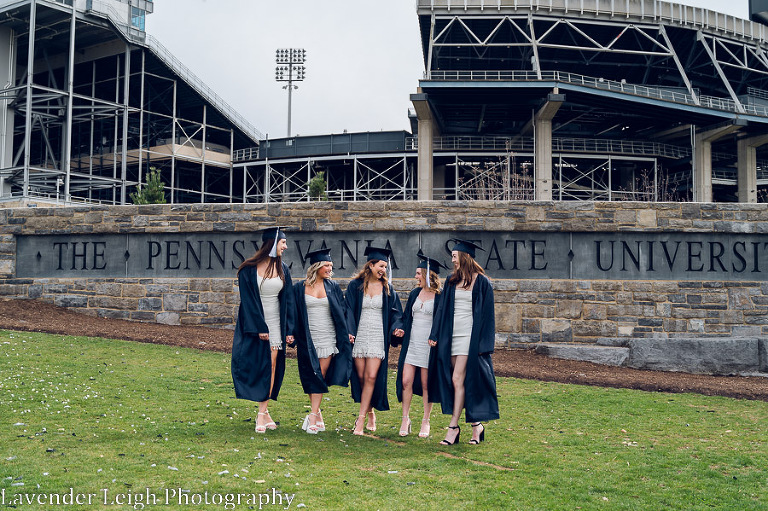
[(290, 69)]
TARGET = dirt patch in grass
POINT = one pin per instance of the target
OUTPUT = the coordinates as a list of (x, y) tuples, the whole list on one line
[(38, 316)]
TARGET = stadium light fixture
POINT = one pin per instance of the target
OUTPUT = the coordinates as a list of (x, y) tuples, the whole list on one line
[(290, 68)]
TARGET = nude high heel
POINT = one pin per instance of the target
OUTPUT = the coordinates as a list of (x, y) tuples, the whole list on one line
[(407, 430)]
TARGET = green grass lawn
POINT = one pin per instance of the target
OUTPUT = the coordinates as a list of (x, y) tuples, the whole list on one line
[(143, 426)]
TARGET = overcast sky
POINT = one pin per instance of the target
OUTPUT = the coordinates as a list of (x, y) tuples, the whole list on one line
[(363, 57)]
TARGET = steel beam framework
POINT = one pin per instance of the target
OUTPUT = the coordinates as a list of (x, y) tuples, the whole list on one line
[(647, 59), (356, 177), (96, 106)]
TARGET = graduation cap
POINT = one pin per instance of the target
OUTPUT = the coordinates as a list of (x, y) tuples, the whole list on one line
[(316, 256), (379, 254), (429, 264), (273, 233), (465, 246)]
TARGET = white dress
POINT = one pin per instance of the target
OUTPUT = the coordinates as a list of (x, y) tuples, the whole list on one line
[(268, 291), (321, 326), (462, 322), (369, 341), (418, 346)]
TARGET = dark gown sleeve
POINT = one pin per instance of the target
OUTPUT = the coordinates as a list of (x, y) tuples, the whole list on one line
[(407, 324), (440, 371), (354, 299), (306, 357), (251, 315), (251, 359), (481, 401), (340, 369)]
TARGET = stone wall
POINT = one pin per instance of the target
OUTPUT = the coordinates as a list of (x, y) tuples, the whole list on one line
[(527, 310)]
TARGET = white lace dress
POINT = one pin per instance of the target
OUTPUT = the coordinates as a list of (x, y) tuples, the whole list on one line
[(321, 326), (369, 341), (418, 346), (462, 322), (268, 291)]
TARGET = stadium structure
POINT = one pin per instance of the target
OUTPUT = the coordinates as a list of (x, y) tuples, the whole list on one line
[(520, 100), (90, 103)]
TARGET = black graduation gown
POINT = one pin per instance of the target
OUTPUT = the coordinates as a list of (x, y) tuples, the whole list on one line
[(480, 400), (407, 325), (340, 369), (251, 356), (392, 319)]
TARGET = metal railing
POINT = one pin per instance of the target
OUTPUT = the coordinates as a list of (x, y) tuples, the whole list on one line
[(248, 154), (208, 94), (574, 145), (640, 10), (645, 91), (106, 10)]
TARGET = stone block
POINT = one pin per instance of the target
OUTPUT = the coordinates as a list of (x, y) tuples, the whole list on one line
[(569, 309), (508, 318), (112, 302), (175, 302), (720, 356), (70, 301), (607, 355), (169, 318), (556, 330), (150, 304), (739, 299)]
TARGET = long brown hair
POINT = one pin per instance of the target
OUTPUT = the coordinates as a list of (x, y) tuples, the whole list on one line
[(467, 269), (275, 266), (366, 273)]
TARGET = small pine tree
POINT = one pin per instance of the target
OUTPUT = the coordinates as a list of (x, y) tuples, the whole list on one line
[(317, 187), (152, 192)]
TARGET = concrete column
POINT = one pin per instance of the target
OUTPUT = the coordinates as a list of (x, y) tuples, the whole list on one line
[(747, 167), (428, 130), (702, 159), (543, 150)]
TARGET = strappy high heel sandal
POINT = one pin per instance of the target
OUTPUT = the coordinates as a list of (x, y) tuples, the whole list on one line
[(320, 423), (271, 424), (354, 431), (312, 428), (373, 416), (260, 428), (445, 441), (481, 437), (424, 432), (407, 430)]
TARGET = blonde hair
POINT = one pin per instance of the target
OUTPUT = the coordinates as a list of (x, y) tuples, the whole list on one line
[(434, 283), (366, 273), (312, 273)]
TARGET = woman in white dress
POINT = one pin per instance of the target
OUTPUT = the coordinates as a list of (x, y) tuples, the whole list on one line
[(375, 315), (464, 332), (414, 358), (323, 346), (264, 325)]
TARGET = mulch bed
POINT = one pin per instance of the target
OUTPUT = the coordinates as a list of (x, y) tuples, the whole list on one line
[(39, 316)]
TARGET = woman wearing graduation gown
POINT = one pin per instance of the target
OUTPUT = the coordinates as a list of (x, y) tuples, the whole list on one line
[(375, 315), (415, 353), (323, 346), (462, 375), (264, 325)]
